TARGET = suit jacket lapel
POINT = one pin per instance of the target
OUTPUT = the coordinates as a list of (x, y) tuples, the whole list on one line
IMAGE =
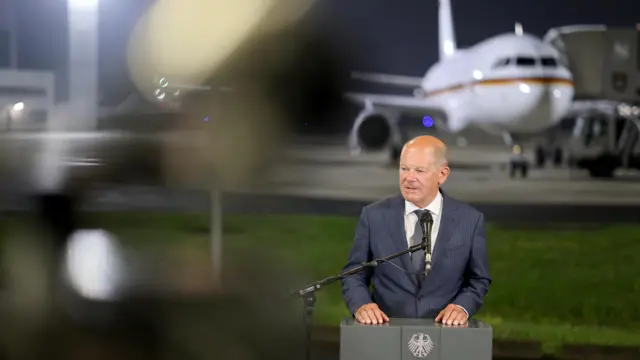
[(394, 218), (448, 223)]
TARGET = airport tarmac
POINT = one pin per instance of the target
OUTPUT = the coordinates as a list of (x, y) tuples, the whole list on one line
[(321, 169), (479, 175)]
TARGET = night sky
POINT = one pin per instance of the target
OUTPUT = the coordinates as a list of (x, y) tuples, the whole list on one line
[(398, 36), (401, 36)]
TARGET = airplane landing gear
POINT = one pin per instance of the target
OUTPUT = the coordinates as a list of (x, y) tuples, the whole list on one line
[(558, 156), (507, 138), (542, 154)]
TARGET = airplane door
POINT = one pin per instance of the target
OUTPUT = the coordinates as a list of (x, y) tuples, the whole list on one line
[(621, 75)]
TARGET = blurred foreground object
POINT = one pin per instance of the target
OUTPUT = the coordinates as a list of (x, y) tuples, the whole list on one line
[(159, 313), (243, 130), (264, 71), (279, 74), (186, 41), (271, 79)]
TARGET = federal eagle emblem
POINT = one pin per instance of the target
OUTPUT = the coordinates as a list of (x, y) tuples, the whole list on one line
[(420, 345)]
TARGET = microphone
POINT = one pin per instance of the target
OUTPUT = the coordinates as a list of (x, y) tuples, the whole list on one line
[(426, 221)]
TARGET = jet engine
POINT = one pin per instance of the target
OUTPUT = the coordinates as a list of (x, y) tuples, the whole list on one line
[(374, 130)]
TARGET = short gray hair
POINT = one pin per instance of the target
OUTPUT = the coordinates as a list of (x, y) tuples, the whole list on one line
[(441, 155), (439, 151)]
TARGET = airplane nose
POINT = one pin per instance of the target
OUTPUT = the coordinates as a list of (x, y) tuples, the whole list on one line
[(560, 99), (544, 103)]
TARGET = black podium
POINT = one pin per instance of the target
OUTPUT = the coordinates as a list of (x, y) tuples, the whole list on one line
[(405, 339)]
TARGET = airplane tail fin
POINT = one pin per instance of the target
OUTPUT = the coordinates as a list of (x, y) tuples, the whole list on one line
[(518, 29), (446, 33)]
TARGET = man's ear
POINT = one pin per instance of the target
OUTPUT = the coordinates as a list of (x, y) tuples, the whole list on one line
[(443, 175)]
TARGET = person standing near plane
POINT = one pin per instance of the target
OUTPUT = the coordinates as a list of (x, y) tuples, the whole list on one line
[(454, 288), (518, 162)]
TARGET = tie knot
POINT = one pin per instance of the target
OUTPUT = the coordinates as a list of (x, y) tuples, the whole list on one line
[(423, 215)]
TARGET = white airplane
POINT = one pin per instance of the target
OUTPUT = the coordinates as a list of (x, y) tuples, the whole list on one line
[(509, 84)]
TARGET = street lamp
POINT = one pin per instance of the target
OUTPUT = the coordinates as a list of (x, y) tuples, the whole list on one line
[(19, 106), (13, 112)]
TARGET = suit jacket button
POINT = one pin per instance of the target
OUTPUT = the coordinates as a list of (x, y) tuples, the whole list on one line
[(420, 297)]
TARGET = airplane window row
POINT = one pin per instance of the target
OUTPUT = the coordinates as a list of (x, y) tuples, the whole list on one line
[(523, 61)]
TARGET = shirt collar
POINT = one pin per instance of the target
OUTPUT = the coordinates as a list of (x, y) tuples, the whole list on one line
[(434, 207)]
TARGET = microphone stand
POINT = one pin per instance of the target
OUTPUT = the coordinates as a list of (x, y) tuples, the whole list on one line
[(426, 239), (308, 293)]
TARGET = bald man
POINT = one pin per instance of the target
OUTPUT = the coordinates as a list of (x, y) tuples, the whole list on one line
[(454, 288)]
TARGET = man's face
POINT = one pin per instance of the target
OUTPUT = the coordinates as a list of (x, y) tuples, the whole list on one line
[(421, 176)]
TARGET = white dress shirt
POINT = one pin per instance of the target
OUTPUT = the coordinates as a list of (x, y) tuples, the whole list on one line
[(410, 220)]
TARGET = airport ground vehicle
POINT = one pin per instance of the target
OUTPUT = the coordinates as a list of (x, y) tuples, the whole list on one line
[(605, 63), (604, 143)]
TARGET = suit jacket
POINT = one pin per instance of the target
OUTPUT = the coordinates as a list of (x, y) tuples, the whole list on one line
[(459, 272)]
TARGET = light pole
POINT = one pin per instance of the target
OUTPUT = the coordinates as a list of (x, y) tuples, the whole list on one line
[(13, 32), (83, 62)]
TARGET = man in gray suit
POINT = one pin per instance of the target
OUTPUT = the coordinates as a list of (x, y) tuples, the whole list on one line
[(454, 288)]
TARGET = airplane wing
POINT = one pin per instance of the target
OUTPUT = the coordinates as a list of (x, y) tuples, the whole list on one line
[(397, 80), (408, 105), (404, 104)]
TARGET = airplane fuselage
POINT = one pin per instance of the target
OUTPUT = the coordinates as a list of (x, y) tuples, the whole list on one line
[(510, 83)]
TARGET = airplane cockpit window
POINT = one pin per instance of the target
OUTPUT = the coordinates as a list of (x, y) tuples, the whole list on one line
[(549, 62), (502, 63), (525, 61)]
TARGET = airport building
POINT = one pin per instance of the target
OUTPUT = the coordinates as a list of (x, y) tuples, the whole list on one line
[(40, 43), (27, 87)]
